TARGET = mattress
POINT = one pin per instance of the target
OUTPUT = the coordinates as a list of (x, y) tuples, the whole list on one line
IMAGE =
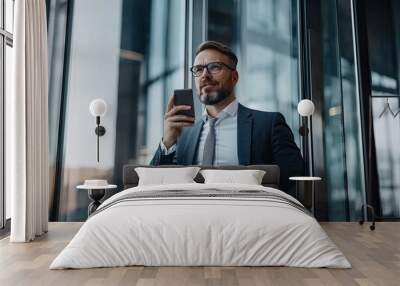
[(201, 225)]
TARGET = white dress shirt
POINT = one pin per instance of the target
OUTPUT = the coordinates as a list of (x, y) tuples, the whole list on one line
[(225, 137)]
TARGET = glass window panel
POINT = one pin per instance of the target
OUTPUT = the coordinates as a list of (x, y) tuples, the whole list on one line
[(2, 138), (155, 107), (9, 15), (93, 73), (133, 59), (157, 38), (1, 15), (56, 43), (352, 135), (8, 73), (166, 66), (383, 29), (342, 143), (263, 34)]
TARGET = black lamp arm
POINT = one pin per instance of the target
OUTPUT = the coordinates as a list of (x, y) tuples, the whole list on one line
[(100, 131)]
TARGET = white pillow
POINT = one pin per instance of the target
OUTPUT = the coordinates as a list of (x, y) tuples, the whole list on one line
[(249, 177), (165, 176)]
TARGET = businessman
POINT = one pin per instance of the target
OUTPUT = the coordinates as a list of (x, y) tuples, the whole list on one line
[(228, 132)]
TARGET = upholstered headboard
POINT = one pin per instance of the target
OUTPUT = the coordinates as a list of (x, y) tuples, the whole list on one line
[(270, 179)]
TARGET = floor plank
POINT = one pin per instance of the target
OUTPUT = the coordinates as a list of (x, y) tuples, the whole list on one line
[(374, 255)]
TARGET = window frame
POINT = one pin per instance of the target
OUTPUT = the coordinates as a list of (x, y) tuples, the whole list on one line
[(6, 39)]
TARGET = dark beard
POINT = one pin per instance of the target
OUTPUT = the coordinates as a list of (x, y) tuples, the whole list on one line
[(214, 97)]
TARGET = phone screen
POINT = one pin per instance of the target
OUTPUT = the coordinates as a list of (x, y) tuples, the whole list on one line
[(184, 97)]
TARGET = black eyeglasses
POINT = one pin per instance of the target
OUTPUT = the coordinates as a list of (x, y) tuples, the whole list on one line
[(212, 68)]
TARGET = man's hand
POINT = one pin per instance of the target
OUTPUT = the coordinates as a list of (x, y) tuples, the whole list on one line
[(174, 123)]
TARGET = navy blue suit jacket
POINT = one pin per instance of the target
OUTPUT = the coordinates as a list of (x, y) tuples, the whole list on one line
[(263, 138)]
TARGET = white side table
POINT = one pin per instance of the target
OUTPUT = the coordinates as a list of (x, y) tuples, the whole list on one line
[(308, 188), (95, 193)]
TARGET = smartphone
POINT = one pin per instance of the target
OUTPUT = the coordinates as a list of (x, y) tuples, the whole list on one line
[(184, 97)]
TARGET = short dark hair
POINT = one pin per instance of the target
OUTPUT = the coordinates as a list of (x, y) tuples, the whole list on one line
[(220, 47)]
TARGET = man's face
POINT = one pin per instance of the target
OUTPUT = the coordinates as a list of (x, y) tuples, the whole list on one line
[(213, 88)]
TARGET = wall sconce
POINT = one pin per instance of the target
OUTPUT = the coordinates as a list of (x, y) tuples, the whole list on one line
[(98, 108), (306, 108)]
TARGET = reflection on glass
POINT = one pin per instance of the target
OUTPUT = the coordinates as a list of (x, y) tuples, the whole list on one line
[(165, 67), (333, 117), (352, 135), (343, 147), (133, 59), (9, 15), (383, 29), (56, 42), (93, 73), (263, 34), (8, 73)]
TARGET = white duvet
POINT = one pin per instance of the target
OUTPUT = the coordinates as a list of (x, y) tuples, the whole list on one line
[(200, 231)]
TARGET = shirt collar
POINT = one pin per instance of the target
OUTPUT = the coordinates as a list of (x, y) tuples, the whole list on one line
[(230, 110)]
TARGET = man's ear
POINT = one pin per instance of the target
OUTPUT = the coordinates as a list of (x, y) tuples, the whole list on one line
[(235, 76)]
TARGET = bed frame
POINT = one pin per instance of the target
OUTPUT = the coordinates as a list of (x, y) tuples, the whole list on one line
[(270, 179)]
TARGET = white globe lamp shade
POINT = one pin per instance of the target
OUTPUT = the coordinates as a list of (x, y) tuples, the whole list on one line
[(305, 107), (98, 107)]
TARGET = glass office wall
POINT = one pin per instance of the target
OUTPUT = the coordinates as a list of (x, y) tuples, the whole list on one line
[(383, 31), (8, 82), (93, 73), (333, 115), (341, 116), (165, 68), (264, 35), (56, 37), (133, 59)]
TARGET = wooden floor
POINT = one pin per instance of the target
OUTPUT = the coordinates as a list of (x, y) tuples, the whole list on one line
[(374, 255)]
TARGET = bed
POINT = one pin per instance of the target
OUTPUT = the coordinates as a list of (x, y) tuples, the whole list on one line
[(198, 224)]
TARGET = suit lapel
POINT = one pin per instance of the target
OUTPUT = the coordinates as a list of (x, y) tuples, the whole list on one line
[(193, 141), (244, 134)]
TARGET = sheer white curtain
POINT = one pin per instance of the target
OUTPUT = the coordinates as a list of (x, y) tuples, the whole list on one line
[(27, 124)]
